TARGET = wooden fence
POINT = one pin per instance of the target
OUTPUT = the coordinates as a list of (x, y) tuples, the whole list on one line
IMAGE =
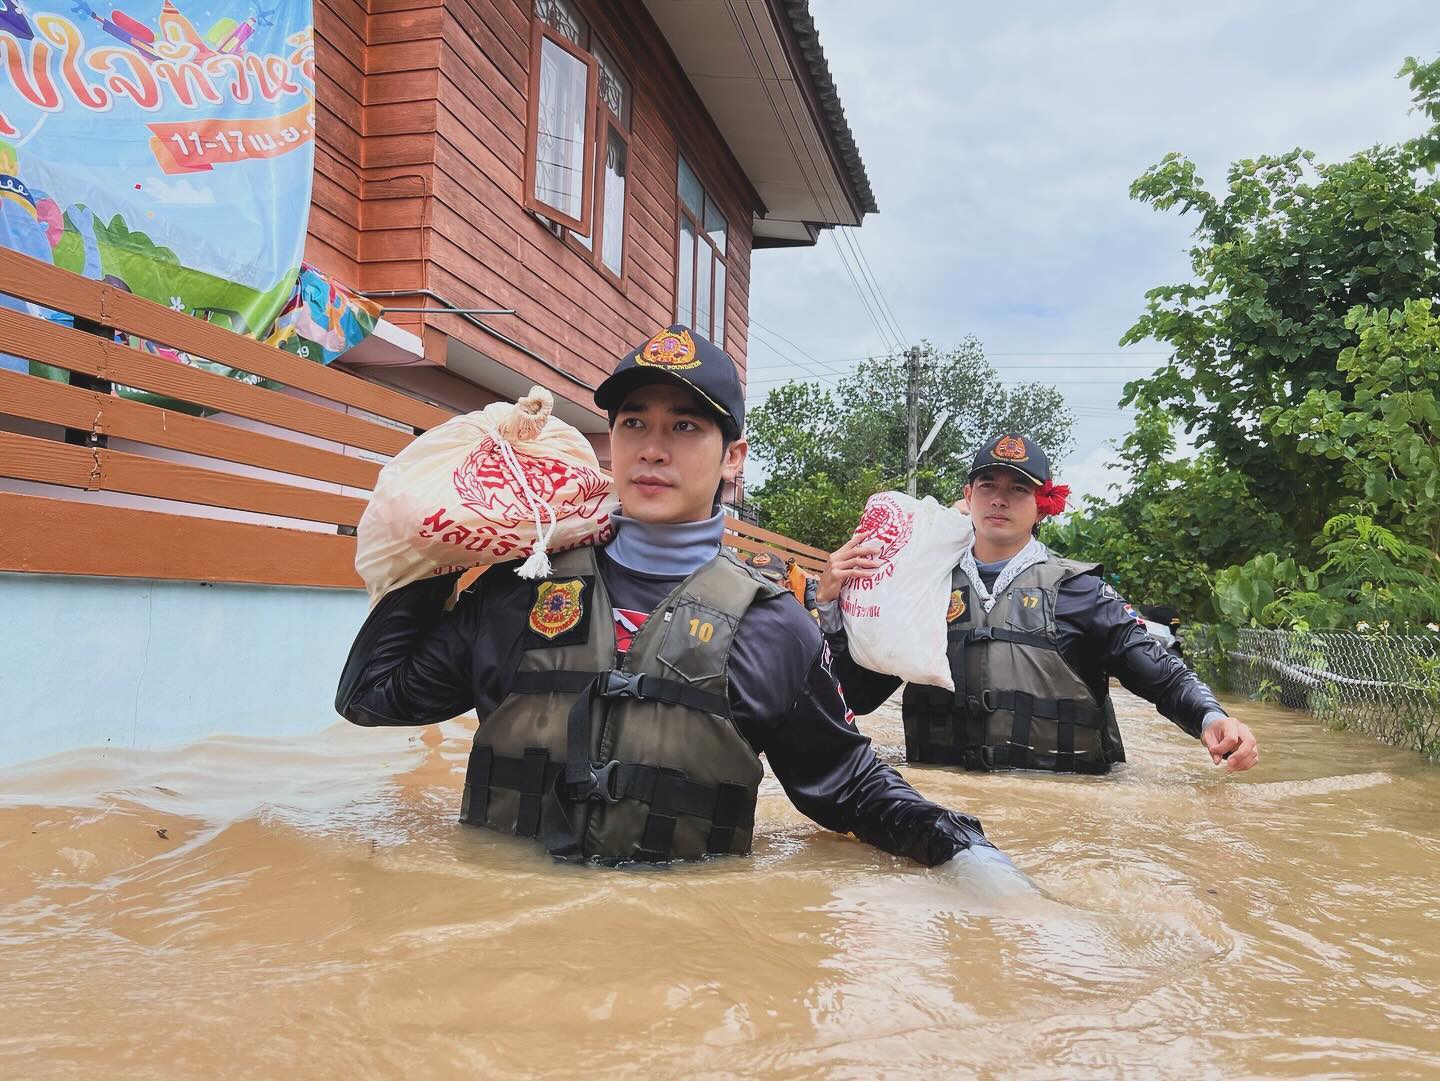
[(302, 466)]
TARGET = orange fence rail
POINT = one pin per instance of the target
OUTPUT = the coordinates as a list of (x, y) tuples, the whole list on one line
[(55, 454)]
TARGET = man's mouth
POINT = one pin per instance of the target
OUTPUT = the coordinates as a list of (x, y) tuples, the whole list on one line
[(650, 484)]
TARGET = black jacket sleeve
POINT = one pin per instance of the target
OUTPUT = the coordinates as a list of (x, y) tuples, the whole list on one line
[(830, 772), (787, 704), (1137, 659), (411, 662)]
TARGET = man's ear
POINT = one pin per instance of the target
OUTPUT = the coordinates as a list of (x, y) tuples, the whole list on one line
[(734, 459), (969, 488)]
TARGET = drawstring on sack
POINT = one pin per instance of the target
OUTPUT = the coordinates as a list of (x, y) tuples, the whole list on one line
[(525, 422)]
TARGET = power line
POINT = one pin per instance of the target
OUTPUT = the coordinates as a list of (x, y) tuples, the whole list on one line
[(851, 238), (799, 363), (892, 346)]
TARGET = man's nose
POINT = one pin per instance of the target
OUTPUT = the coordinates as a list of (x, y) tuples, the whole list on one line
[(654, 449)]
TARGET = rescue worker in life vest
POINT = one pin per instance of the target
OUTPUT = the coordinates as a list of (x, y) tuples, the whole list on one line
[(625, 698), (1033, 640)]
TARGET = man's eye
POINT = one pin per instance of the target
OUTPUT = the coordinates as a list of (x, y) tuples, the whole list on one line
[(630, 422), (686, 426)]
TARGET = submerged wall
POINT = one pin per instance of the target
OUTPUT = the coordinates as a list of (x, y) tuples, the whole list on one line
[(124, 664)]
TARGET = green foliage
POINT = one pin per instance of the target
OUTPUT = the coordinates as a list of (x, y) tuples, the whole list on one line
[(1171, 523), (1369, 579), (1282, 256), (1382, 429), (826, 452), (1305, 353), (823, 511)]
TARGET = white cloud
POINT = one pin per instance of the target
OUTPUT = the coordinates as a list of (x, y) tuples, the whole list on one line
[(1001, 142), (1091, 475)]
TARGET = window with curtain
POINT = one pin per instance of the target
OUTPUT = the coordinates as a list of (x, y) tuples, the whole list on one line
[(700, 257), (579, 136)]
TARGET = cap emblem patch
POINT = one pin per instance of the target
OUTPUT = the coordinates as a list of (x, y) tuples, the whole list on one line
[(670, 349), (1011, 449)]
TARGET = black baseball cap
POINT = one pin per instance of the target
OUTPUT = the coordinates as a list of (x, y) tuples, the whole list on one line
[(679, 355), (1015, 452)]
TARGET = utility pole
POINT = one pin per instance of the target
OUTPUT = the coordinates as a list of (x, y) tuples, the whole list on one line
[(912, 417)]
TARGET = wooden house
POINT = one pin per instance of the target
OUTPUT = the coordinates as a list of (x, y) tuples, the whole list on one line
[(529, 187)]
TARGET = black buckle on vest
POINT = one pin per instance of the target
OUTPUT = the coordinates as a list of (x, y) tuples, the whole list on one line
[(981, 634), (619, 684), (599, 784), (984, 702)]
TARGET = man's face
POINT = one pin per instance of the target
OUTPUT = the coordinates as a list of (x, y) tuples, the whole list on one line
[(668, 455), (1002, 505)]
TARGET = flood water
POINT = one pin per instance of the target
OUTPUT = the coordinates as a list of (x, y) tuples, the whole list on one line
[(252, 908)]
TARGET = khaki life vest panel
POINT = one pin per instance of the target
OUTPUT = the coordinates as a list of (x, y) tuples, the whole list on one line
[(635, 761), (1017, 703)]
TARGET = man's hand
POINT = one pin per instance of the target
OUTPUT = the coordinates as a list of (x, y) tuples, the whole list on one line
[(1232, 742), (854, 559)]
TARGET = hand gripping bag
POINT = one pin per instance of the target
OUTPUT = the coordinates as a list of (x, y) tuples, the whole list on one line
[(507, 482), (895, 618)]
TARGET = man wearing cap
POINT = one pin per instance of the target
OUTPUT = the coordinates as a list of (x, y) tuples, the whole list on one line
[(624, 699), (1033, 641)]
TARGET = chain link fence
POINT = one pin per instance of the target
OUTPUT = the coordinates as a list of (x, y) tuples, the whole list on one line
[(1386, 685)]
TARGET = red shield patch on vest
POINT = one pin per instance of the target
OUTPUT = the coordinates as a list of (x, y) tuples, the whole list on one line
[(957, 606), (557, 607)]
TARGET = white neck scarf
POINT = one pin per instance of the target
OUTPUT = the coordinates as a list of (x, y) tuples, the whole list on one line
[(1021, 561)]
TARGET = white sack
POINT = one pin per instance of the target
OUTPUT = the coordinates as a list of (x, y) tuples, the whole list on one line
[(895, 618), (484, 488)]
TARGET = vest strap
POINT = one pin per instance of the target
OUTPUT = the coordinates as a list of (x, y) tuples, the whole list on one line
[(530, 776), (730, 803), (1002, 634), (531, 786), (1065, 737), (475, 802), (670, 793), (615, 683), (1081, 712), (580, 772), (659, 833), (1020, 748)]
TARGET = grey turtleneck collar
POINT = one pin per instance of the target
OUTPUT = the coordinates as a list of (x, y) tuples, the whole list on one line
[(668, 551)]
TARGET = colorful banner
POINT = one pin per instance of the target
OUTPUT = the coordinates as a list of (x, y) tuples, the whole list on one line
[(323, 318), (164, 151)]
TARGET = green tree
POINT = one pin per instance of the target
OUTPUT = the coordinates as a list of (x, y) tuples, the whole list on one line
[(825, 452), (1172, 523), (1282, 256), (1382, 428)]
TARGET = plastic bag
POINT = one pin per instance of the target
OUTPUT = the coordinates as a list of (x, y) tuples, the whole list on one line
[(895, 617), (507, 482)]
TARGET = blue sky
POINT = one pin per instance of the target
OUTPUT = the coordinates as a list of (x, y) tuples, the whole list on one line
[(1001, 141)]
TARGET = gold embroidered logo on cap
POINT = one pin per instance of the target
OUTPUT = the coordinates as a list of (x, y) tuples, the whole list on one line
[(1011, 449), (672, 349)]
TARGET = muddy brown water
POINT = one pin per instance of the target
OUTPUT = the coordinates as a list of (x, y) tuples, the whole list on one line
[(253, 908)]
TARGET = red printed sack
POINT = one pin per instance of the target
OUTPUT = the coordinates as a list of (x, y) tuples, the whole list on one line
[(895, 616), (507, 482)]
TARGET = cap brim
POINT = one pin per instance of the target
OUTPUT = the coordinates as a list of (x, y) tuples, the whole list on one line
[(610, 395), (1013, 468)]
